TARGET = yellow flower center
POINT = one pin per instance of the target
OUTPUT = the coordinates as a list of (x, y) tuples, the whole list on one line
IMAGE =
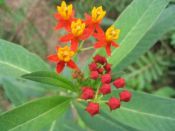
[(112, 33), (97, 14), (77, 27), (65, 54), (65, 10)]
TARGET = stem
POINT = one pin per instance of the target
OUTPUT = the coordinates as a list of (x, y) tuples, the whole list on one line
[(81, 45), (96, 94), (88, 48)]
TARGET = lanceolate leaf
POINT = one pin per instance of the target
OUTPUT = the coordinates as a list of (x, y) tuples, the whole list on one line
[(51, 78), (165, 23), (134, 23), (35, 114), (15, 60), (144, 113)]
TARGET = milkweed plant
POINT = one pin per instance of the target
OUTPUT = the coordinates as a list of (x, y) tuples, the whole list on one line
[(78, 31)]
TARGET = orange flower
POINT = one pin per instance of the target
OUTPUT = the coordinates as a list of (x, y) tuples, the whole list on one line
[(93, 21), (78, 32), (63, 57), (64, 16), (107, 39)]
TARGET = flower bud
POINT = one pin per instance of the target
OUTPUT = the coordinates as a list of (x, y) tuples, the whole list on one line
[(100, 59), (113, 103), (94, 75), (93, 67), (125, 96), (106, 78), (100, 70), (105, 89), (107, 67), (92, 108), (87, 93), (119, 83)]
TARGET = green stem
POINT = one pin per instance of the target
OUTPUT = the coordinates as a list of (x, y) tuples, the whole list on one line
[(88, 48)]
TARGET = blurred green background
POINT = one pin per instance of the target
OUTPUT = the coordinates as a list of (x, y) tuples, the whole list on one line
[(30, 24)]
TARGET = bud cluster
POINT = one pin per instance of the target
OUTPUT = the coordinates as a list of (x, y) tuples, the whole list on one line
[(100, 70)]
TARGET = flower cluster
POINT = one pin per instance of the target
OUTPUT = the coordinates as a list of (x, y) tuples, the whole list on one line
[(77, 31), (101, 70)]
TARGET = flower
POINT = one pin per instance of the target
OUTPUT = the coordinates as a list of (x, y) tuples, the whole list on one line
[(113, 103), (77, 33), (63, 57), (87, 93), (93, 21), (92, 108), (125, 96), (94, 75), (64, 16), (106, 78), (107, 39), (105, 89), (119, 83)]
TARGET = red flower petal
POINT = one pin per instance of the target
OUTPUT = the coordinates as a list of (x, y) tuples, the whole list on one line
[(86, 34), (98, 44), (108, 49), (57, 16), (88, 19), (72, 64), (60, 66), (66, 38), (74, 44), (53, 58), (58, 26), (114, 44)]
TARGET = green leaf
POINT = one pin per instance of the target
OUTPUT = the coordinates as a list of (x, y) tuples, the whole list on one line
[(143, 113), (65, 123), (134, 23), (165, 92), (35, 114), (19, 91), (164, 24), (51, 78), (15, 60)]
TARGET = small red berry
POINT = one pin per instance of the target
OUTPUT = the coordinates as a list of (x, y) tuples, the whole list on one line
[(119, 83), (100, 59), (105, 89), (94, 75), (107, 67), (93, 66), (92, 108), (100, 70), (125, 96), (87, 93), (113, 103), (106, 78)]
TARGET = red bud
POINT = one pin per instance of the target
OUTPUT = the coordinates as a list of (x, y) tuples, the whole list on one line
[(107, 68), (93, 67), (105, 89), (106, 78), (87, 93), (113, 103), (125, 96), (94, 75), (92, 108), (100, 59), (100, 70), (119, 83)]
